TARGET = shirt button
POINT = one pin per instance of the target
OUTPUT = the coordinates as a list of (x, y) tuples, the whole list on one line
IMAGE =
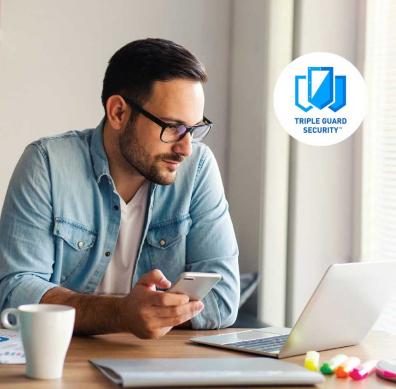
[(162, 242), (80, 244), (116, 207), (107, 253)]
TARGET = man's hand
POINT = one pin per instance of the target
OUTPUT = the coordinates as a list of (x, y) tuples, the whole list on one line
[(145, 312), (149, 313)]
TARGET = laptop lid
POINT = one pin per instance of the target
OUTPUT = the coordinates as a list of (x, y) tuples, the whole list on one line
[(343, 308)]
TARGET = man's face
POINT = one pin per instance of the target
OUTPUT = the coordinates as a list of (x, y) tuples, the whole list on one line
[(175, 101)]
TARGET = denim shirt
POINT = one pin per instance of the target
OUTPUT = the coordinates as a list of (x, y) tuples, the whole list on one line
[(61, 217)]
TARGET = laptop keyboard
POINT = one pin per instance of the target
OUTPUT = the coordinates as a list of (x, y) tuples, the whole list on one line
[(271, 344)]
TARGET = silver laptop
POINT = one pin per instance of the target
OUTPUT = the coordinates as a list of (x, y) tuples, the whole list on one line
[(341, 311), (189, 372)]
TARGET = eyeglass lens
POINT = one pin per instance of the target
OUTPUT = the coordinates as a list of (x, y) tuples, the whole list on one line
[(175, 133)]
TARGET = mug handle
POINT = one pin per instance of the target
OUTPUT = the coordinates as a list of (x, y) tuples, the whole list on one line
[(4, 318)]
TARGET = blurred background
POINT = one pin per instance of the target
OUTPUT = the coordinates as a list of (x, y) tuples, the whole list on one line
[(296, 208)]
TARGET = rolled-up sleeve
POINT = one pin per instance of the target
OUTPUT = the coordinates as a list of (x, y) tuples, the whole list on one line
[(26, 239), (212, 246)]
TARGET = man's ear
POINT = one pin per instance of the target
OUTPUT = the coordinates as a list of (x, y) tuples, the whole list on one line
[(118, 112)]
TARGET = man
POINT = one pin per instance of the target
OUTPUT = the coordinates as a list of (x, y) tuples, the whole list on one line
[(123, 209)]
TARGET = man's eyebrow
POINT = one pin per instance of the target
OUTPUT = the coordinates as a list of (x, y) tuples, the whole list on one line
[(177, 121)]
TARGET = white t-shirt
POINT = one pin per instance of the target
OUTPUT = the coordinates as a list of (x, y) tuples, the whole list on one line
[(118, 276)]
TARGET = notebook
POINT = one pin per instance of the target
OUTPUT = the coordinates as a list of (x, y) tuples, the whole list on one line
[(173, 372)]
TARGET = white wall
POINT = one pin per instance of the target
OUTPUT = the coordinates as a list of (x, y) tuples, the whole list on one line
[(247, 124), (321, 210), (261, 46), (321, 214), (53, 55)]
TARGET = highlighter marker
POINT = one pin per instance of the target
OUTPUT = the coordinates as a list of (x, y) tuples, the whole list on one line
[(330, 366), (343, 370), (312, 361), (364, 370), (387, 369)]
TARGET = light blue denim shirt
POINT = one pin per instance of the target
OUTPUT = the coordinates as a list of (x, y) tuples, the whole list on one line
[(61, 216)]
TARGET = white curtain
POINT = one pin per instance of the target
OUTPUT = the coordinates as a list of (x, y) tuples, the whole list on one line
[(379, 142)]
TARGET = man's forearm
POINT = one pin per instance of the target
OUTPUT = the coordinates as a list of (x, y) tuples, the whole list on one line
[(94, 314)]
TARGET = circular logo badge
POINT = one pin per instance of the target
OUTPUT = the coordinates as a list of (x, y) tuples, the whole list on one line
[(320, 99)]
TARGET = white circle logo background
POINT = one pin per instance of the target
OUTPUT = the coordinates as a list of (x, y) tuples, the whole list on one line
[(354, 109)]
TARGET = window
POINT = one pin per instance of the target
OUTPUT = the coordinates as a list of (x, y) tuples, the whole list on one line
[(379, 142)]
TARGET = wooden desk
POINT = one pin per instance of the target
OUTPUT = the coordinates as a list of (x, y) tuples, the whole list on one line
[(79, 373)]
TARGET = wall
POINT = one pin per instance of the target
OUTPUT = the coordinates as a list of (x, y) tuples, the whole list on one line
[(247, 124), (53, 55), (321, 213), (291, 240)]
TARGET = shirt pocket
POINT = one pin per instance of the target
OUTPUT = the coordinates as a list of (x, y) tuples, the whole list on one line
[(73, 246), (167, 246)]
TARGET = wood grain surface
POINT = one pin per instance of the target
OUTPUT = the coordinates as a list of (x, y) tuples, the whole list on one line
[(79, 373)]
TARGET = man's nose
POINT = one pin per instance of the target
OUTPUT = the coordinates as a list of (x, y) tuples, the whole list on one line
[(183, 146)]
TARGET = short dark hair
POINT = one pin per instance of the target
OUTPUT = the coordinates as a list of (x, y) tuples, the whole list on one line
[(134, 68)]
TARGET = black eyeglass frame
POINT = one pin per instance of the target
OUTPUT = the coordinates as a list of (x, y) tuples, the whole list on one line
[(165, 125)]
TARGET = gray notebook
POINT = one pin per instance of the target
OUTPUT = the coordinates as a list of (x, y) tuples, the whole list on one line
[(204, 372)]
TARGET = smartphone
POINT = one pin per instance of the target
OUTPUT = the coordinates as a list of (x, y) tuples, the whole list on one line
[(195, 285)]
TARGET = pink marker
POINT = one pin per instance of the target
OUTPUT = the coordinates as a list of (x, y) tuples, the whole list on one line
[(387, 369), (364, 370)]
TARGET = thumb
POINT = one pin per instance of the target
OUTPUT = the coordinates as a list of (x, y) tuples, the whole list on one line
[(154, 278)]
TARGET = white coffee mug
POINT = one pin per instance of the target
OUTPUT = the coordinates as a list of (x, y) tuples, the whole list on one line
[(46, 331)]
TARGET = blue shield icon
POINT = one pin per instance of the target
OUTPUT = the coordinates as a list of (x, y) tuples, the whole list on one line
[(321, 86)]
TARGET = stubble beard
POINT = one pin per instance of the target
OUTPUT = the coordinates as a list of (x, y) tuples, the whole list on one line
[(139, 158)]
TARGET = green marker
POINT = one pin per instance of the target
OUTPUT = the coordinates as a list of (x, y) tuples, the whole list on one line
[(330, 366)]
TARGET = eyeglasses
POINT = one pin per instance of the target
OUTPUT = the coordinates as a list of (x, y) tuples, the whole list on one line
[(172, 133)]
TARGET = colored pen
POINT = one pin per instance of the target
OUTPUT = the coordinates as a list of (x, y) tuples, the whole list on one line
[(312, 361), (387, 369), (343, 370), (364, 370), (330, 366)]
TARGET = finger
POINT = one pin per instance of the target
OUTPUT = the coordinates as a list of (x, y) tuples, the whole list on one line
[(169, 299), (154, 278), (177, 320), (180, 310)]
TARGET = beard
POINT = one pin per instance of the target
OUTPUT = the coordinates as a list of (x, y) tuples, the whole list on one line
[(141, 161)]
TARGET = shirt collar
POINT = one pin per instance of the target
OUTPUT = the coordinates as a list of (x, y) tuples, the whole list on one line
[(98, 154)]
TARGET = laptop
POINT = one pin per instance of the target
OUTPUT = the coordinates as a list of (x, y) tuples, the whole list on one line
[(189, 372), (341, 311)]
